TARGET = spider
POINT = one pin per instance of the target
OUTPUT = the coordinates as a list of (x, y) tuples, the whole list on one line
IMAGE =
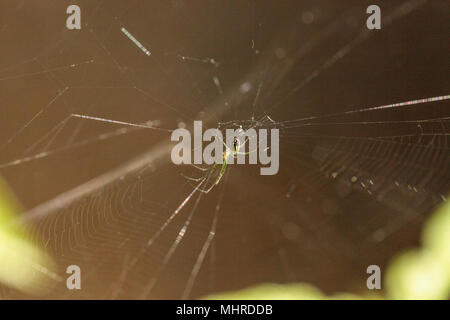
[(229, 152)]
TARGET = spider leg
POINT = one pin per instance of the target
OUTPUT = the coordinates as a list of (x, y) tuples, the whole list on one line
[(205, 176), (244, 153), (235, 153), (207, 190), (194, 179), (221, 173), (200, 168)]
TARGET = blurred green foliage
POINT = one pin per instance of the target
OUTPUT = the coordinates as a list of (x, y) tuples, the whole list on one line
[(295, 291), (420, 273), (424, 273), (23, 265)]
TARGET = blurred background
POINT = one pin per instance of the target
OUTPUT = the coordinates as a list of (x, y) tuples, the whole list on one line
[(354, 188)]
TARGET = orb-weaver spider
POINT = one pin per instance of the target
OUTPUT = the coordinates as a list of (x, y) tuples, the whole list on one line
[(229, 152)]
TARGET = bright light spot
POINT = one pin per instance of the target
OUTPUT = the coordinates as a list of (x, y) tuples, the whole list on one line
[(245, 87)]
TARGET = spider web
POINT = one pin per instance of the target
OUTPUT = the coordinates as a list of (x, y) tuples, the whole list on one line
[(85, 140)]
